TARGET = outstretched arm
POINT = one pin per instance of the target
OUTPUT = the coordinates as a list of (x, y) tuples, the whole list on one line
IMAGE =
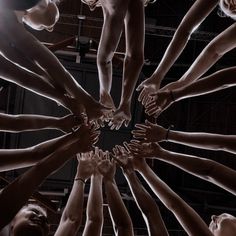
[(20, 158), (94, 219), (120, 216), (12, 202), (219, 80), (206, 169), (72, 215), (197, 13), (150, 132), (187, 217), (220, 45), (144, 201), (17, 123)]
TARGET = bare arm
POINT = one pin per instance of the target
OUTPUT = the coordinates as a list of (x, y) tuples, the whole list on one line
[(187, 217), (12, 202), (220, 45), (219, 80), (72, 215), (17, 123), (94, 219), (150, 132), (206, 169), (144, 201), (120, 216), (196, 14)]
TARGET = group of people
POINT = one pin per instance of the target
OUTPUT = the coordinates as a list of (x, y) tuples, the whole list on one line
[(28, 63)]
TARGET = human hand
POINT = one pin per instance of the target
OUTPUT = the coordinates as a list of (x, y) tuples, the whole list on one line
[(147, 88), (86, 165), (121, 116), (87, 136), (123, 158), (107, 167), (159, 102), (107, 101), (144, 150), (149, 132)]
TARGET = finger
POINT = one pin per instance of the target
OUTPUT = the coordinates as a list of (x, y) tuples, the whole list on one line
[(147, 122), (126, 145), (126, 123), (141, 127), (145, 99), (152, 111), (115, 151), (119, 125), (151, 104), (140, 87), (141, 95)]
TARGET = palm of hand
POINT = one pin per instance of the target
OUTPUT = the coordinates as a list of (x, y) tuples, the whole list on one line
[(107, 169), (120, 116)]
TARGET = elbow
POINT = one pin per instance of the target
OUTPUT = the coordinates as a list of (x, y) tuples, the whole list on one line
[(72, 220)]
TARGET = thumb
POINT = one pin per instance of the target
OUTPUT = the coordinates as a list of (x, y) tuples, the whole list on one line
[(147, 122), (140, 87)]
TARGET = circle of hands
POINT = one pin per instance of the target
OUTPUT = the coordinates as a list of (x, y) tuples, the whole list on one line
[(146, 136)]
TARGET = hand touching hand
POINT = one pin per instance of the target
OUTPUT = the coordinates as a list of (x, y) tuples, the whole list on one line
[(107, 167), (145, 150), (86, 165), (159, 102), (149, 132), (147, 88)]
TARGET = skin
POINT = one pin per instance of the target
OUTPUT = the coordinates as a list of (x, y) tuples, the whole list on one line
[(40, 62), (121, 220), (11, 203), (32, 219), (194, 17), (143, 199), (72, 215), (150, 132), (116, 14), (18, 123)]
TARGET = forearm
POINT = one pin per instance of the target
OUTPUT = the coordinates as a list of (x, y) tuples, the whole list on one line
[(220, 80), (72, 215), (194, 17), (187, 217), (132, 68), (21, 158), (220, 45), (119, 213), (15, 123), (147, 206), (216, 142), (94, 219), (26, 186), (206, 169)]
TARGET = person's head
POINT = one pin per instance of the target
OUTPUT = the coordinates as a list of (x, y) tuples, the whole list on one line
[(30, 220), (229, 8), (42, 17), (222, 225)]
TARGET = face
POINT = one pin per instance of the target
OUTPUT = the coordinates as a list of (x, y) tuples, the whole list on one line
[(228, 7), (30, 220), (43, 17), (222, 225)]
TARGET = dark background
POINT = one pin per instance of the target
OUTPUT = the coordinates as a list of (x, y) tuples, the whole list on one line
[(214, 113)]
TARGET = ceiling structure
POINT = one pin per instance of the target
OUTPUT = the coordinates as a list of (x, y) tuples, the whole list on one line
[(78, 29)]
